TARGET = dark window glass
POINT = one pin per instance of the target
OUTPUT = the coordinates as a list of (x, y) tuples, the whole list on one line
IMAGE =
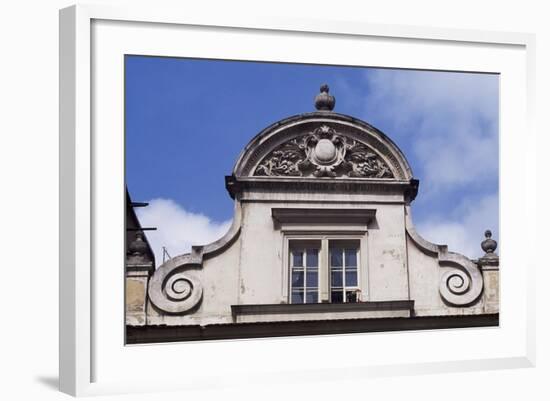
[(336, 297), (298, 278), (336, 257), (297, 259), (351, 257), (312, 278), (351, 278), (312, 258), (297, 297), (311, 297), (351, 296), (336, 278)]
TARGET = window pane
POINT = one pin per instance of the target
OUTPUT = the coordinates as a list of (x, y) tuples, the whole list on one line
[(351, 278), (351, 257), (312, 278), (336, 278), (312, 258), (351, 296), (297, 297), (336, 297), (312, 297), (298, 278), (336, 257), (297, 258)]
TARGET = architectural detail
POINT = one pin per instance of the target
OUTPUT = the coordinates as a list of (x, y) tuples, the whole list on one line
[(489, 245), (324, 101), (137, 250), (489, 266), (322, 232), (174, 289), (323, 153), (461, 282), (140, 265), (292, 133), (365, 163)]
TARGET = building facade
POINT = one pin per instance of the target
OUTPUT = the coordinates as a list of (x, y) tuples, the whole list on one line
[(322, 241)]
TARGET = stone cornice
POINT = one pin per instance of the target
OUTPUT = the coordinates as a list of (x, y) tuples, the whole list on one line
[(236, 185), (322, 307), (325, 215)]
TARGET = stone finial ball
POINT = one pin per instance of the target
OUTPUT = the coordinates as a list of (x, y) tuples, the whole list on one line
[(324, 101), (489, 245)]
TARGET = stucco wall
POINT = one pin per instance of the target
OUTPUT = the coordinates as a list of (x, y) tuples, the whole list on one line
[(219, 277), (387, 255), (253, 270)]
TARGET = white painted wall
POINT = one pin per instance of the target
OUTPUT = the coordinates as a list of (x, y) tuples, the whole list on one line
[(255, 270)]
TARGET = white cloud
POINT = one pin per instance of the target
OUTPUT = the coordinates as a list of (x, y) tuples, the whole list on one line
[(177, 229), (450, 123), (451, 119), (465, 233)]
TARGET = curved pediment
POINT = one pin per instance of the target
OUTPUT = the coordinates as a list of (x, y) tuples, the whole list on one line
[(324, 145), (323, 153)]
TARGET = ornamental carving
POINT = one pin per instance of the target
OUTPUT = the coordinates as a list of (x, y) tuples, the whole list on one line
[(323, 153), (175, 290)]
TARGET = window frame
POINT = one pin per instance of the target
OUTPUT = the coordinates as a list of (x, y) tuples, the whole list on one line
[(344, 246), (304, 247), (324, 237)]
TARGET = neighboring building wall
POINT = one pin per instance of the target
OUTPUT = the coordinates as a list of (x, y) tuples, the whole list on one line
[(137, 280), (140, 265)]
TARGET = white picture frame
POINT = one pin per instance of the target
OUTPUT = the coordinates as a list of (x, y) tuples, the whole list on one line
[(85, 330)]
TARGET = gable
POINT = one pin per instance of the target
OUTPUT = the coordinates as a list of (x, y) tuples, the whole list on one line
[(323, 145), (324, 153)]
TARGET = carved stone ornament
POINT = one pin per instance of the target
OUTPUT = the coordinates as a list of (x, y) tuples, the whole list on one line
[(461, 281), (323, 153), (175, 287)]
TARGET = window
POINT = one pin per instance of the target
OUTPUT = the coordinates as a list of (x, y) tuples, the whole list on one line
[(304, 263), (343, 272), (324, 271)]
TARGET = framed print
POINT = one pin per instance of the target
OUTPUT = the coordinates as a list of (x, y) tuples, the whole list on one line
[(315, 247)]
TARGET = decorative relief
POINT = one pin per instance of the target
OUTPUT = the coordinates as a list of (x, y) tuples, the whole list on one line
[(175, 287), (174, 290), (323, 153), (461, 282)]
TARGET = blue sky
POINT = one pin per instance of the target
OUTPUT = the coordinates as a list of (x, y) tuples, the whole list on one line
[(187, 120)]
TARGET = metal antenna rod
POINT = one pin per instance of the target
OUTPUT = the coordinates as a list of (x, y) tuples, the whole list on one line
[(165, 254)]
